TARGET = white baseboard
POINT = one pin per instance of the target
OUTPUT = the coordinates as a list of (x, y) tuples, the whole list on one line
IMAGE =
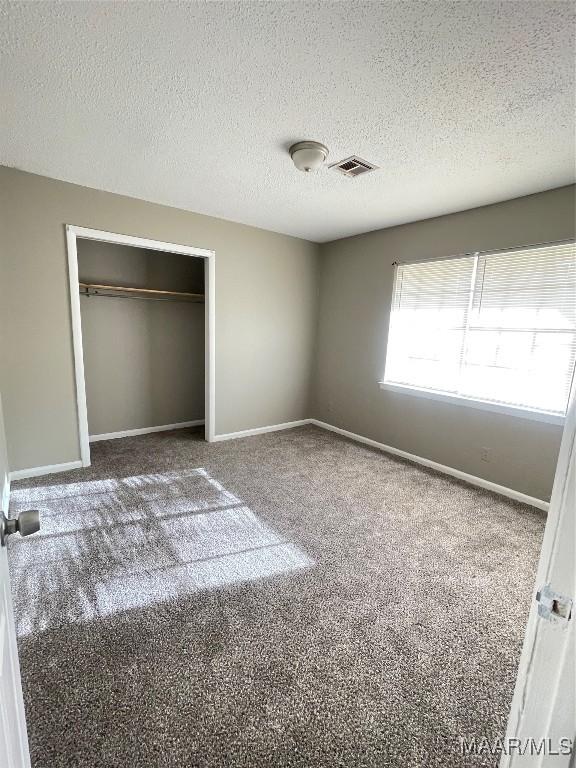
[(145, 430), (5, 496), (23, 474), (261, 430), (472, 479)]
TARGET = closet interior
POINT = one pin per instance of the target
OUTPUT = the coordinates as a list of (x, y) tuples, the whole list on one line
[(143, 338)]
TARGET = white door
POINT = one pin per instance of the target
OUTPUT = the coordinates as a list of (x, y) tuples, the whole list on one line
[(542, 721), (13, 739)]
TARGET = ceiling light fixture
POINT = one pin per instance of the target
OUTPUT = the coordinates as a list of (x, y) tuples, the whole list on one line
[(308, 155)]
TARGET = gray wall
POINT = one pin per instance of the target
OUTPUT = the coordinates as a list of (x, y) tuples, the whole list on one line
[(266, 297), (356, 278), (266, 320), (4, 468), (143, 359)]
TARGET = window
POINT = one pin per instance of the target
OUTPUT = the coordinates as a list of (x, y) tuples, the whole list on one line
[(493, 328)]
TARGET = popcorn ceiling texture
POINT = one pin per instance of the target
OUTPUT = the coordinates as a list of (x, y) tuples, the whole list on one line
[(194, 105), (292, 600)]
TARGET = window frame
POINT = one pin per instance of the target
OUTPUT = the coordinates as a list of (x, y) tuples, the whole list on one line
[(470, 402), (462, 400)]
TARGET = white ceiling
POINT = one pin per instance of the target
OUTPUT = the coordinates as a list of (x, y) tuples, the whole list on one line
[(195, 104)]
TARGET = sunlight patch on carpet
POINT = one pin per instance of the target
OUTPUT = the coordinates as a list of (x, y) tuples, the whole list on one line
[(108, 546)]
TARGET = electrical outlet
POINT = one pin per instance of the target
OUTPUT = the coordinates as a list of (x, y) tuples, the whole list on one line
[(485, 454)]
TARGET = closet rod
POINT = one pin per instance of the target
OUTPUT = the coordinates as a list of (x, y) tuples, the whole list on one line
[(120, 291), (140, 298)]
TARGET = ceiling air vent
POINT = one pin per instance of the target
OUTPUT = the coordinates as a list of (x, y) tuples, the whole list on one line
[(353, 166)]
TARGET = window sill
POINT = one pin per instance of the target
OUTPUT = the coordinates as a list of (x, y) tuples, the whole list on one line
[(482, 405)]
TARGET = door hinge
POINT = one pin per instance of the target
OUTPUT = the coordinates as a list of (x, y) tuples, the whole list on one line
[(553, 606)]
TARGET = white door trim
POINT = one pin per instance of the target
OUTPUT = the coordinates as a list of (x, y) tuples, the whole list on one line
[(538, 695), (72, 234)]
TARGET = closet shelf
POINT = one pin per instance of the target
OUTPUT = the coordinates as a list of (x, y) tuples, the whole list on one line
[(122, 291)]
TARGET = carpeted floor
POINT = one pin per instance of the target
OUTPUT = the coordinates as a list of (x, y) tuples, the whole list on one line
[(288, 600)]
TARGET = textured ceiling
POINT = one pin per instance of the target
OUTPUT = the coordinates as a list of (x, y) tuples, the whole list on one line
[(195, 104)]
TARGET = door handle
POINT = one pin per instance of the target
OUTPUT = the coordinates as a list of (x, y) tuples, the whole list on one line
[(26, 523)]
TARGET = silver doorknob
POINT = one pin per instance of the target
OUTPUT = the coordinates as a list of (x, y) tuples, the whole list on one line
[(26, 523)]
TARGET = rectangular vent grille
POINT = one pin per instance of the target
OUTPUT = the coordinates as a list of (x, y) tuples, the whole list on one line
[(353, 166)]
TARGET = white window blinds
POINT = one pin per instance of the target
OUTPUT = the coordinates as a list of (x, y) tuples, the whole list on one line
[(497, 327)]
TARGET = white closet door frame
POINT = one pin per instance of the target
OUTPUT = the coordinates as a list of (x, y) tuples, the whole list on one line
[(72, 234)]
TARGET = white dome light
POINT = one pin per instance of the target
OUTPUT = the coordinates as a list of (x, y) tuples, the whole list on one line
[(308, 155)]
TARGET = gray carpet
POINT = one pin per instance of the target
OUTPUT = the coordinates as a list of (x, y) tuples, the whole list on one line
[(292, 599)]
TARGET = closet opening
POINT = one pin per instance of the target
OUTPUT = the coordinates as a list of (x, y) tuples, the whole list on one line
[(143, 332)]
